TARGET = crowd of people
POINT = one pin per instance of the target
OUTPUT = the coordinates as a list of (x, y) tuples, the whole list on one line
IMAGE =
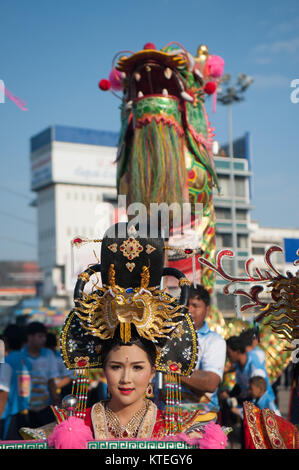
[(33, 376)]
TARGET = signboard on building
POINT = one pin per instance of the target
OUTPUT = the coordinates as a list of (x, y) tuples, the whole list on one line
[(73, 156), (291, 246)]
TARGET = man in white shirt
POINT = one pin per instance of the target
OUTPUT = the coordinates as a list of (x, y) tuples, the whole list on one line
[(202, 386)]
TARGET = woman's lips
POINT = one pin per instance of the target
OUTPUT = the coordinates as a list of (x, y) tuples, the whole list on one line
[(126, 391)]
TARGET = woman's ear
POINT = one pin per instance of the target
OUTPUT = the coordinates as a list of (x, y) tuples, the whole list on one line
[(154, 370)]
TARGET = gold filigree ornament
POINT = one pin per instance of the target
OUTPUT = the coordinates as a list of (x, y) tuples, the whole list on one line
[(151, 311), (84, 276), (113, 247), (131, 248), (149, 249), (130, 266)]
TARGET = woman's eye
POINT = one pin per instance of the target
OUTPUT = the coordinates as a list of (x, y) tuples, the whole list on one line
[(115, 367), (138, 367)]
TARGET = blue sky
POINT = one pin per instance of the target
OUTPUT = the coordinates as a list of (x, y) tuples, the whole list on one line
[(53, 53)]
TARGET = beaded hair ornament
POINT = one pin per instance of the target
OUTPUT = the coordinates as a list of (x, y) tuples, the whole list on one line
[(129, 298)]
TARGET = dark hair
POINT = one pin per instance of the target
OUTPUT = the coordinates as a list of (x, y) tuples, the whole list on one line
[(248, 336), (51, 341), (142, 343), (35, 327), (199, 292), (14, 337), (258, 382), (236, 343)]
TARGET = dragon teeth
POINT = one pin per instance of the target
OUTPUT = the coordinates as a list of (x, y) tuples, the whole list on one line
[(140, 94), (137, 76), (186, 96), (129, 104), (168, 73), (164, 92)]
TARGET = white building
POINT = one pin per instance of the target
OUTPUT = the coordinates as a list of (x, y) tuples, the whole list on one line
[(234, 177), (73, 173)]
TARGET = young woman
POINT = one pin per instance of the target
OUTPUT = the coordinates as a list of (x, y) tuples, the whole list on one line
[(128, 413), (131, 328)]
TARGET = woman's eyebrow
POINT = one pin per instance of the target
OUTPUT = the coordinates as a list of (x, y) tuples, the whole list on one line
[(120, 362)]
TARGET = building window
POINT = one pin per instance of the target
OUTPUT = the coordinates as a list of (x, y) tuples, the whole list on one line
[(258, 250), (241, 214), (224, 183), (223, 213), (225, 302), (242, 241), (240, 187), (223, 240)]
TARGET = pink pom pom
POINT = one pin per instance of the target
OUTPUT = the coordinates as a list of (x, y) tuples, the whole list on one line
[(213, 437), (115, 80), (70, 434), (214, 66)]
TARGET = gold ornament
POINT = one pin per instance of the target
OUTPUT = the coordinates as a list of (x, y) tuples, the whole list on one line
[(131, 248), (149, 249), (84, 276), (130, 266), (151, 311), (113, 247), (119, 431)]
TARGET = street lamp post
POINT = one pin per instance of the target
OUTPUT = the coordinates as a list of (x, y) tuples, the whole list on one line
[(233, 94)]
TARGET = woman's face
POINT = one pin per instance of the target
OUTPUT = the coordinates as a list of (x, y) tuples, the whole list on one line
[(128, 373)]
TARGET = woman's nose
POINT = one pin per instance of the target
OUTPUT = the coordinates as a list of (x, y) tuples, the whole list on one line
[(126, 375)]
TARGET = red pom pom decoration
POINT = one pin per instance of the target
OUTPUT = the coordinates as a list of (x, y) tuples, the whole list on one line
[(149, 45), (210, 88), (104, 84)]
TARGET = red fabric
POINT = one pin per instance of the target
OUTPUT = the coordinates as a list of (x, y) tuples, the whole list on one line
[(87, 419), (265, 429), (248, 442)]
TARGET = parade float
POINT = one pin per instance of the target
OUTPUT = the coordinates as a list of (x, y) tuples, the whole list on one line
[(164, 156)]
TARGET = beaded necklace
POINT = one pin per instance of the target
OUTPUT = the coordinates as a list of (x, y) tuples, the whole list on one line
[(131, 429)]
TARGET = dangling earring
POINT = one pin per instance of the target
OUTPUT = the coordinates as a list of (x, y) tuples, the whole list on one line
[(149, 391)]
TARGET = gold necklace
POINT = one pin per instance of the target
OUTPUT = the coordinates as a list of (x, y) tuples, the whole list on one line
[(131, 429)]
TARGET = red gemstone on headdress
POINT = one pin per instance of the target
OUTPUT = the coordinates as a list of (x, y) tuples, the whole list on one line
[(77, 240), (173, 367), (82, 363), (188, 251)]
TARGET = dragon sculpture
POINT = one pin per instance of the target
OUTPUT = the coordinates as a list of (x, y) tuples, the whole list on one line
[(165, 144), (275, 298)]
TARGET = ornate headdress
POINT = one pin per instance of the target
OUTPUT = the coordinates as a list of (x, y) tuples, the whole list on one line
[(129, 300)]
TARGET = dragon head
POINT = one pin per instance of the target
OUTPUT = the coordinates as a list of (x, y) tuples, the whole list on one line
[(164, 124)]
